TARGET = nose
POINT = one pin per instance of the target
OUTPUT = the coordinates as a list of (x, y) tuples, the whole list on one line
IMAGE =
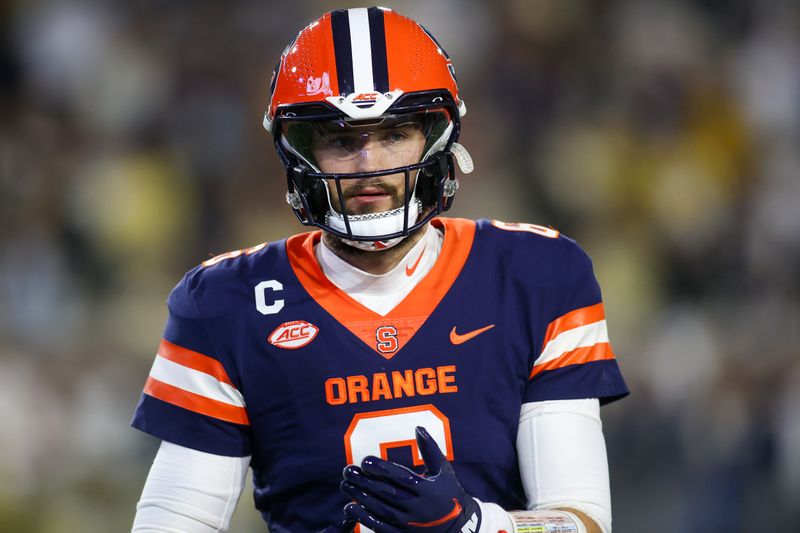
[(370, 157)]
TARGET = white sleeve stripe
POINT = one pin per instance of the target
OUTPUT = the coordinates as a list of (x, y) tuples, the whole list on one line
[(195, 381), (572, 339)]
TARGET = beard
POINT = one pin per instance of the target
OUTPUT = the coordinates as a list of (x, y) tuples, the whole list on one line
[(392, 197)]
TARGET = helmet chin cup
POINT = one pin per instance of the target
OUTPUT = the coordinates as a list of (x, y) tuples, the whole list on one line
[(381, 223)]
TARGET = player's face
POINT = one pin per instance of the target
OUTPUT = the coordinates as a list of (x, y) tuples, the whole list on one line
[(366, 148)]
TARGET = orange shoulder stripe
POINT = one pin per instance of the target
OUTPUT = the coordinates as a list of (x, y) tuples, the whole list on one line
[(195, 402), (194, 360), (573, 319), (597, 352)]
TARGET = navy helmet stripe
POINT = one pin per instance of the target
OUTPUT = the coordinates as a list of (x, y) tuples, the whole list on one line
[(377, 38), (340, 27)]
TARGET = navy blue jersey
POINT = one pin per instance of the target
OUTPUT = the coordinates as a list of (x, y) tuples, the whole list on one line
[(262, 355)]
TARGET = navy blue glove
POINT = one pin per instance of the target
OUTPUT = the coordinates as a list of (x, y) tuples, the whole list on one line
[(345, 526), (389, 497)]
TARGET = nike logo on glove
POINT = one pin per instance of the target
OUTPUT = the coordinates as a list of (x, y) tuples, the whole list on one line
[(449, 516), (455, 338)]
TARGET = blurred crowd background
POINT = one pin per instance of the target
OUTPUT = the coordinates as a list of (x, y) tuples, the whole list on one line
[(663, 136)]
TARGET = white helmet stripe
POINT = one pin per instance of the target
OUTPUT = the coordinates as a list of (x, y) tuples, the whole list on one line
[(361, 50)]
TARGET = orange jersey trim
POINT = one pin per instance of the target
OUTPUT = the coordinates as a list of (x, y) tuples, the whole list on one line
[(587, 354), (409, 315), (195, 402), (194, 360), (573, 319)]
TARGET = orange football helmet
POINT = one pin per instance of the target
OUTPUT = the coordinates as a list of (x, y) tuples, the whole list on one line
[(366, 68)]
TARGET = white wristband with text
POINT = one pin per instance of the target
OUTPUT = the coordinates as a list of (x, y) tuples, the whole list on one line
[(495, 519), (549, 521)]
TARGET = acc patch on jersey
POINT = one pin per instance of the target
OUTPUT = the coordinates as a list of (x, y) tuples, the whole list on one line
[(293, 335)]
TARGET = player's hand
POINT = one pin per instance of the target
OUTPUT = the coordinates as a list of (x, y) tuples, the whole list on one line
[(345, 526), (389, 497)]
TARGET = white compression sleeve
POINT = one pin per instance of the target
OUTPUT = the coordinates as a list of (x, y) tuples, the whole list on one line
[(188, 491), (562, 458)]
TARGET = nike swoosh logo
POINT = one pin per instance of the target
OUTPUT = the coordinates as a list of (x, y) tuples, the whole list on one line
[(410, 271), (449, 516), (455, 338)]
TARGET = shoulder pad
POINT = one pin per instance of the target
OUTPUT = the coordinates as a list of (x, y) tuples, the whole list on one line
[(551, 255), (205, 290)]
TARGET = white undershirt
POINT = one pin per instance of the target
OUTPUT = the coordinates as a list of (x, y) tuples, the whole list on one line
[(382, 292), (560, 444)]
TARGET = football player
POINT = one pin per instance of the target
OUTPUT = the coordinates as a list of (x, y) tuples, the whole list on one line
[(392, 370)]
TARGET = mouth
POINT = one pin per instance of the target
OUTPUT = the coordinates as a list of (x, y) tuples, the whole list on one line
[(368, 198), (372, 192)]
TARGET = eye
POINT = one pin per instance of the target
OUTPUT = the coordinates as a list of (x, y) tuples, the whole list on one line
[(396, 136), (343, 142)]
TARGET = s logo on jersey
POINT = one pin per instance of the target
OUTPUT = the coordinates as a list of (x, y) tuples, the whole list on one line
[(386, 339), (293, 335)]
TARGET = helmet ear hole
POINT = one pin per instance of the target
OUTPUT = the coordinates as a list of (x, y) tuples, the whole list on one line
[(317, 198), (426, 188), (313, 191), (430, 180)]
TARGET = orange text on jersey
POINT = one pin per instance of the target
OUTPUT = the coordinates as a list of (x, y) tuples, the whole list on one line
[(387, 386)]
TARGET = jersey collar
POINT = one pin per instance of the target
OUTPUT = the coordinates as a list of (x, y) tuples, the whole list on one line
[(409, 315)]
